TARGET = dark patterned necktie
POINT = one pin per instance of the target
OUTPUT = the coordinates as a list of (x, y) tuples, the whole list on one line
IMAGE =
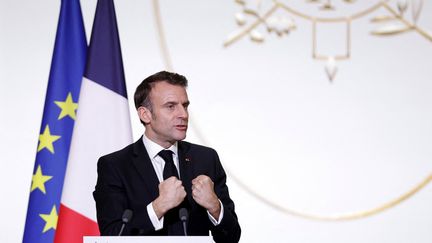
[(172, 223), (169, 168)]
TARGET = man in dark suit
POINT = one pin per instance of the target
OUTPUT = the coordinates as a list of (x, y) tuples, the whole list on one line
[(159, 174)]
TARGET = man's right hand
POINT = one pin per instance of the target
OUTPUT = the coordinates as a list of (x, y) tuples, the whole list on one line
[(171, 194)]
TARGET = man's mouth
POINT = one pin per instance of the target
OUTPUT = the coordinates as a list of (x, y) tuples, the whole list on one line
[(181, 127)]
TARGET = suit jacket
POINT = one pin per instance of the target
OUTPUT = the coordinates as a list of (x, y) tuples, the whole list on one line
[(127, 180)]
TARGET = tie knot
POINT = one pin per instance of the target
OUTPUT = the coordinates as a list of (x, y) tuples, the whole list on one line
[(169, 168), (166, 155)]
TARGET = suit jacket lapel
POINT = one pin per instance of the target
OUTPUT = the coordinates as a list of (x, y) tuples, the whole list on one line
[(186, 169), (143, 164)]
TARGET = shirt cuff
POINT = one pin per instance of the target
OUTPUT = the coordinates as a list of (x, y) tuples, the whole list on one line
[(157, 224), (213, 220)]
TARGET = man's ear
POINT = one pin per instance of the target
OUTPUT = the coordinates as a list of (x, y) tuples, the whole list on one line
[(144, 114)]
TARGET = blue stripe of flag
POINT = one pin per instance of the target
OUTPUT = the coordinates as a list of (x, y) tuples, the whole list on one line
[(67, 68), (105, 65)]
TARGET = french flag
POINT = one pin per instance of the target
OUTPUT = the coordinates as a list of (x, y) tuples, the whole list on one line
[(102, 126)]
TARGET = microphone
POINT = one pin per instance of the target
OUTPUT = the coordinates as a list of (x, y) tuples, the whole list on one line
[(184, 215), (127, 216)]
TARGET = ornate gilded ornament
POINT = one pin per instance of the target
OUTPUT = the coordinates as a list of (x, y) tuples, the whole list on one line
[(279, 17)]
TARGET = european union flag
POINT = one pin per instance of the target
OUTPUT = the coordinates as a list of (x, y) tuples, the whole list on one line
[(61, 104)]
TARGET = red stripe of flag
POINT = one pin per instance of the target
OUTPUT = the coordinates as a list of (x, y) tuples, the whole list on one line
[(72, 226)]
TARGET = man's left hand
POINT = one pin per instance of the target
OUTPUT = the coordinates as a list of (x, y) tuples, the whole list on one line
[(203, 193)]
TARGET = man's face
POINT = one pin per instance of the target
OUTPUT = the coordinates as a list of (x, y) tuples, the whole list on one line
[(167, 121)]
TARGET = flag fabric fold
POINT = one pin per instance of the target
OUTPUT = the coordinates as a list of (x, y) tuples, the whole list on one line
[(67, 68)]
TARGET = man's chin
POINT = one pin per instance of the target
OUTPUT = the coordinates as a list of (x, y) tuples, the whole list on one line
[(181, 136)]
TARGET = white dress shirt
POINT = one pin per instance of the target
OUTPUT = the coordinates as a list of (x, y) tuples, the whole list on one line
[(158, 164)]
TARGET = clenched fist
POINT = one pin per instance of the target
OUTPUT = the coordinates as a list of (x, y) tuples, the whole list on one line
[(203, 193), (171, 194)]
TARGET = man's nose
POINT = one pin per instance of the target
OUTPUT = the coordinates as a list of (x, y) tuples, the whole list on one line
[(183, 112)]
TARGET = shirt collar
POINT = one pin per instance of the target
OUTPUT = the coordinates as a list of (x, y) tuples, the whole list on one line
[(153, 148)]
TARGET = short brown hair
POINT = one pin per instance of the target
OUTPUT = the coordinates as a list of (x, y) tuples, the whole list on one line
[(141, 96)]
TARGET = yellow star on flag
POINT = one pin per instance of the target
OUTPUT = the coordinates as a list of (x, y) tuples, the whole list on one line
[(46, 140), (68, 107), (38, 180), (50, 219)]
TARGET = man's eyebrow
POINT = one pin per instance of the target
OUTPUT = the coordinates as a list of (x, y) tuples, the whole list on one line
[(171, 103)]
